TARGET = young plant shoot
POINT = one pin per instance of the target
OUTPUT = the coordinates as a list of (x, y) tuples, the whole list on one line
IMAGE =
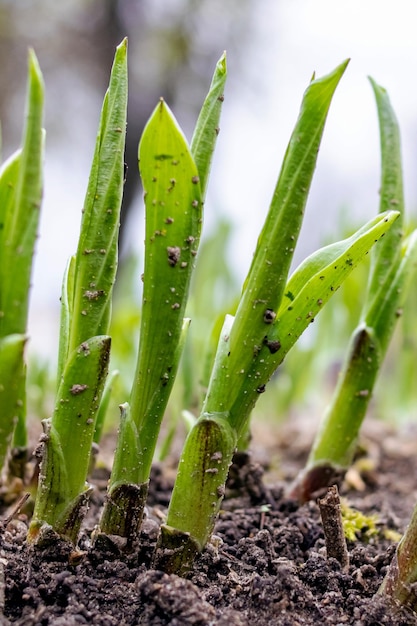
[(20, 201), (271, 316), (85, 314), (393, 263), (399, 582), (174, 179)]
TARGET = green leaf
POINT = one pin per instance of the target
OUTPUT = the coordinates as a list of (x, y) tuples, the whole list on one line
[(387, 307), (21, 192), (20, 201), (9, 173), (67, 315), (321, 275), (173, 223), (392, 262), (68, 438), (85, 315), (11, 360), (207, 127), (173, 204), (96, 259), (311, 286), (384, 257), (265, 283)]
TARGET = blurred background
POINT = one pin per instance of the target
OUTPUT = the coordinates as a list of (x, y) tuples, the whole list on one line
[(273, 48)]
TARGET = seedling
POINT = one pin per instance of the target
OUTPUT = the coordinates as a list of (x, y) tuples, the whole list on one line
[(271, 316), (85, 316), (392, 269), (174, 178), (20, 200)]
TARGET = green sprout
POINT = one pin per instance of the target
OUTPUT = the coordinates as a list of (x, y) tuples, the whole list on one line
[(20, 201), (85, 316), (399, 582), (393, 265), (271, 316), (174, 178)]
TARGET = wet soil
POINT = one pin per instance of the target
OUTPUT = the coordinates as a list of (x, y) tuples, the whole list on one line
[(267, 564)]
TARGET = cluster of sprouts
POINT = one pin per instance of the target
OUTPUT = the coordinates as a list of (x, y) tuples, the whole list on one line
[(273, 311)]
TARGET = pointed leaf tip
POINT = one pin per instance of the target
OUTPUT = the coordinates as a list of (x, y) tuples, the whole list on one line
[(121, 50), (376, 87), (34, 67), (336, 73), (222, 64)]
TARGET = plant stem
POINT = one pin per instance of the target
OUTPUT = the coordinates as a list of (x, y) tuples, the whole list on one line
[(393, 266), (21, 181), (63, 492), (174, 180), (85, 315), (399, 582)]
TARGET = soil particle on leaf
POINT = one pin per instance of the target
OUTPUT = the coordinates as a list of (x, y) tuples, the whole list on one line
[(266, 566)]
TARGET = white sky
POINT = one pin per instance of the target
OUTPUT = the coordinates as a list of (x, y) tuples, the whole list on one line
[(292, 39)]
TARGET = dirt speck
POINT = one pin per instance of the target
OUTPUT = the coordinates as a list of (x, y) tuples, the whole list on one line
[(77, 389), (174, 253)]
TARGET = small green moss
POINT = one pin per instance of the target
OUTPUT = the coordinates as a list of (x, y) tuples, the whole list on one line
[(357, 524), (392, 535)]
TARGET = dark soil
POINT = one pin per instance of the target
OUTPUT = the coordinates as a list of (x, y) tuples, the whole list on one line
[(266, 566)]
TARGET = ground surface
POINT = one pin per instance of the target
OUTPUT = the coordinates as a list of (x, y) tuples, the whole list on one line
[(269, 569)]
